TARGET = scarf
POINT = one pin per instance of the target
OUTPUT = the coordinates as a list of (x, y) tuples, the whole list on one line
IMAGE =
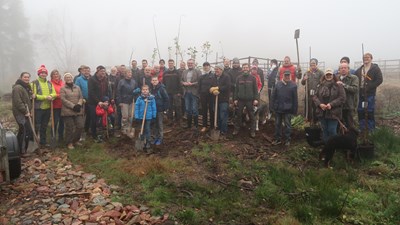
[(326, 90)]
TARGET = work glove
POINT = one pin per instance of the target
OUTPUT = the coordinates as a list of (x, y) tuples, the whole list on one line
[(77, 108), (216, 92), (136, 91), (212, 89)]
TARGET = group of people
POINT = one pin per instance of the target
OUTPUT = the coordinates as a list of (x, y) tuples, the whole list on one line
[(82, 104)]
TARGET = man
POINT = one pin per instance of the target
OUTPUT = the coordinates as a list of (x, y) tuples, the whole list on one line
[(145, 79), (172, 82), (246, 95), (272, 75), (345, 59), (221, 88), (370, 77), (144, 65), (135, 71), (227, 66), (311, 80), (236, 71), (182, 67), (80, 73), (350, 84), (288, 66), (260, 73), (43, 93), (206, 98), (82, 83), (97, 90), (190, 78), (284, 104)]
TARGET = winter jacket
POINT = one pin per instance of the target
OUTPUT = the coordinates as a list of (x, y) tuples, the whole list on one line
[(161, 97), (234, 73), (260, 73), (246, 88), (272, 77), (125, 91), (100, 111), (113, 82), (144, 80), (160, 74), (140, 105), (21, 97), (172, 82), (57, 85), (224, 87), (332, 93), (206, 81), (314, 77), (373, 79), (284, 97), (258, 80), (291, 68), (97, 90), (69, 98), (351, 89), (42, 88), (195, 79), (82, 83)]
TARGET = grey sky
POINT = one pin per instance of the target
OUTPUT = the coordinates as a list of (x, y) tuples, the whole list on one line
[(106, 31)]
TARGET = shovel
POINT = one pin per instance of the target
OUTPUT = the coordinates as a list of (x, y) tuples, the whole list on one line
[(107, 134), (32, 145), (215, 132), (53, 141), (131, 132), (139, 143), (83, 134)]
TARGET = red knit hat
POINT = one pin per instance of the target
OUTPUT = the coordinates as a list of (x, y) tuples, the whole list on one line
[(42, 69)]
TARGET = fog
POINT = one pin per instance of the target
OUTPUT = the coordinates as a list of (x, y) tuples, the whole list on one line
[(68, 33)]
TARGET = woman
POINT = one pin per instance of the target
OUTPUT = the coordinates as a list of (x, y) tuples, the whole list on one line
[(329, 100), (58, 121), (71, 111), (21, 107)]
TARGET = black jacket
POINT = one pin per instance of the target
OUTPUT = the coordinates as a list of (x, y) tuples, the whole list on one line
[(161, 96), (206, 81), (172, 82), (284, 98), (224, 87), (373, 80), (97, 89)]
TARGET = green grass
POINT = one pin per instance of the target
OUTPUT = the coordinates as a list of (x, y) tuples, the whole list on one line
[(365, 193)]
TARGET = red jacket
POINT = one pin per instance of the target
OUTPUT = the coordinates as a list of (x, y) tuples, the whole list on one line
[(292, 70), (259, 84), (57, 85), (100, 111)]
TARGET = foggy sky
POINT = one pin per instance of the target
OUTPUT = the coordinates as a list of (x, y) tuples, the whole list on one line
[(106, 32)]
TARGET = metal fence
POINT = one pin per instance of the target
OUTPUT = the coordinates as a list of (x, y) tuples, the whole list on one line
[(390, 68)]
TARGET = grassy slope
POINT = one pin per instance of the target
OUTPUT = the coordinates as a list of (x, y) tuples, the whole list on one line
[(286, 190)]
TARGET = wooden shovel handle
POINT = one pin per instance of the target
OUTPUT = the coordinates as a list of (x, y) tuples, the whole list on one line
[(144, 117), (215, 111)]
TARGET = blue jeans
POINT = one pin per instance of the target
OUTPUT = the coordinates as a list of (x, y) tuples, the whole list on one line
[(286, 118), (329, 128), (223, 113), (371, 113), (191, 103), (42, 117), (158, 126), (58, 124), (146, 130)]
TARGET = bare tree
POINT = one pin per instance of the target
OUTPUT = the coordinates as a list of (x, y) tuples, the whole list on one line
[(206, 49)]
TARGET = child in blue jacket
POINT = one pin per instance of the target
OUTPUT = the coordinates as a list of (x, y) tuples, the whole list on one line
[(151, 112)]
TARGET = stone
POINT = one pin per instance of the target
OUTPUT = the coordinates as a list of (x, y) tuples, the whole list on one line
[(67, 221)]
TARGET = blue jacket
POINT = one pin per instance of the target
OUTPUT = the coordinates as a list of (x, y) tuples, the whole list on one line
[(82, 83), (141, 104), (284, 98), (161, 96)]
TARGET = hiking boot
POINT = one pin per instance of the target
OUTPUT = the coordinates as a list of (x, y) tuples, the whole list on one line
[(276, 142), (158, 142), (253, 134)]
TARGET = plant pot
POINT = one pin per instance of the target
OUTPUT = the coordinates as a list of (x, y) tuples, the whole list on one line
[(366, 151), (313, 136)]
